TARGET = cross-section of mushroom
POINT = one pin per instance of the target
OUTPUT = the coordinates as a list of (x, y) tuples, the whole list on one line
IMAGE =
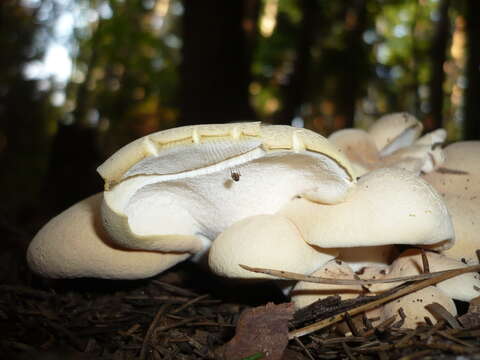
[(174, 191)]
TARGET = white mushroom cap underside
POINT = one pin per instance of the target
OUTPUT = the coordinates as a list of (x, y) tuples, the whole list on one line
[(271, 137), (164, 201), (74, 244), (148, 213)]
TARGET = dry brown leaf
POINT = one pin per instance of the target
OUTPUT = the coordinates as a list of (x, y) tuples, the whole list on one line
[(472, 317), (263, 329)]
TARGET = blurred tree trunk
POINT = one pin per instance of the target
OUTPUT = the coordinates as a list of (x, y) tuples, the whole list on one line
[(23, 114), (295, 90), (438, 54), (354, 63), (472, 93), (71, 174), (215, 73)]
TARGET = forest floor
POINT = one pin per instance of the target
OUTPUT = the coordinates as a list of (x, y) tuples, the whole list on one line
[(187, 313)]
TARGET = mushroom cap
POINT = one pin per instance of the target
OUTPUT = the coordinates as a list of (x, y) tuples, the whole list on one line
[(359, 147), (74, 244), (414, 304), (388, 206), (465, 214), (423, 155), (432, 138), (394, 131), (415, 158), (265, 241), (177, 150), (305, 293), (169, 190), (463, 287), (458, 181)]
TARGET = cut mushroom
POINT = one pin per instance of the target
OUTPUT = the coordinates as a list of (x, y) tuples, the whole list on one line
[(389, 206), (458, 181), (74, 244), (172, 190), (305, 293)]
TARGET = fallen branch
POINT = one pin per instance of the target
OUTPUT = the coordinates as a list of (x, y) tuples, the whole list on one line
[(322, 280)]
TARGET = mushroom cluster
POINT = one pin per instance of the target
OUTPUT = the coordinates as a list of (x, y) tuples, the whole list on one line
[(458, 181), (454, 171), (414, 307), (246, 193), (392, 141)]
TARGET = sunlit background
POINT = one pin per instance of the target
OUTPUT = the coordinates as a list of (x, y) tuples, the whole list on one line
[(81, 78)]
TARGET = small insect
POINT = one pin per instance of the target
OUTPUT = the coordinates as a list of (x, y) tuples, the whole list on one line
[(235, 175)]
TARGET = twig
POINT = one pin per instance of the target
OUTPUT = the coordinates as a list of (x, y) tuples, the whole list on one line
[(426, 266), (321, 280), (187, 304), (444, 275), (443, 170), (440, 312), (150, 330), (453, 338), (416, 355), (304, 349), (22, 290), (346, 348), (175, 289)]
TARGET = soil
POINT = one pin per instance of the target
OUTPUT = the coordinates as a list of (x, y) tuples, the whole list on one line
[(186, 313)]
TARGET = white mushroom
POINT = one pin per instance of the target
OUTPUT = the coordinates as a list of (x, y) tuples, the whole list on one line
[(395, 131), (74, 244), (358, 146), (266, 241), (414, 306), (174, 190), (305, 293), (389, 206), (392, 142), (458, 181), (464, 287)]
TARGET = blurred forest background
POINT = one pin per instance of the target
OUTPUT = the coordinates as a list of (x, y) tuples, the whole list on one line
[(81, 78)]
